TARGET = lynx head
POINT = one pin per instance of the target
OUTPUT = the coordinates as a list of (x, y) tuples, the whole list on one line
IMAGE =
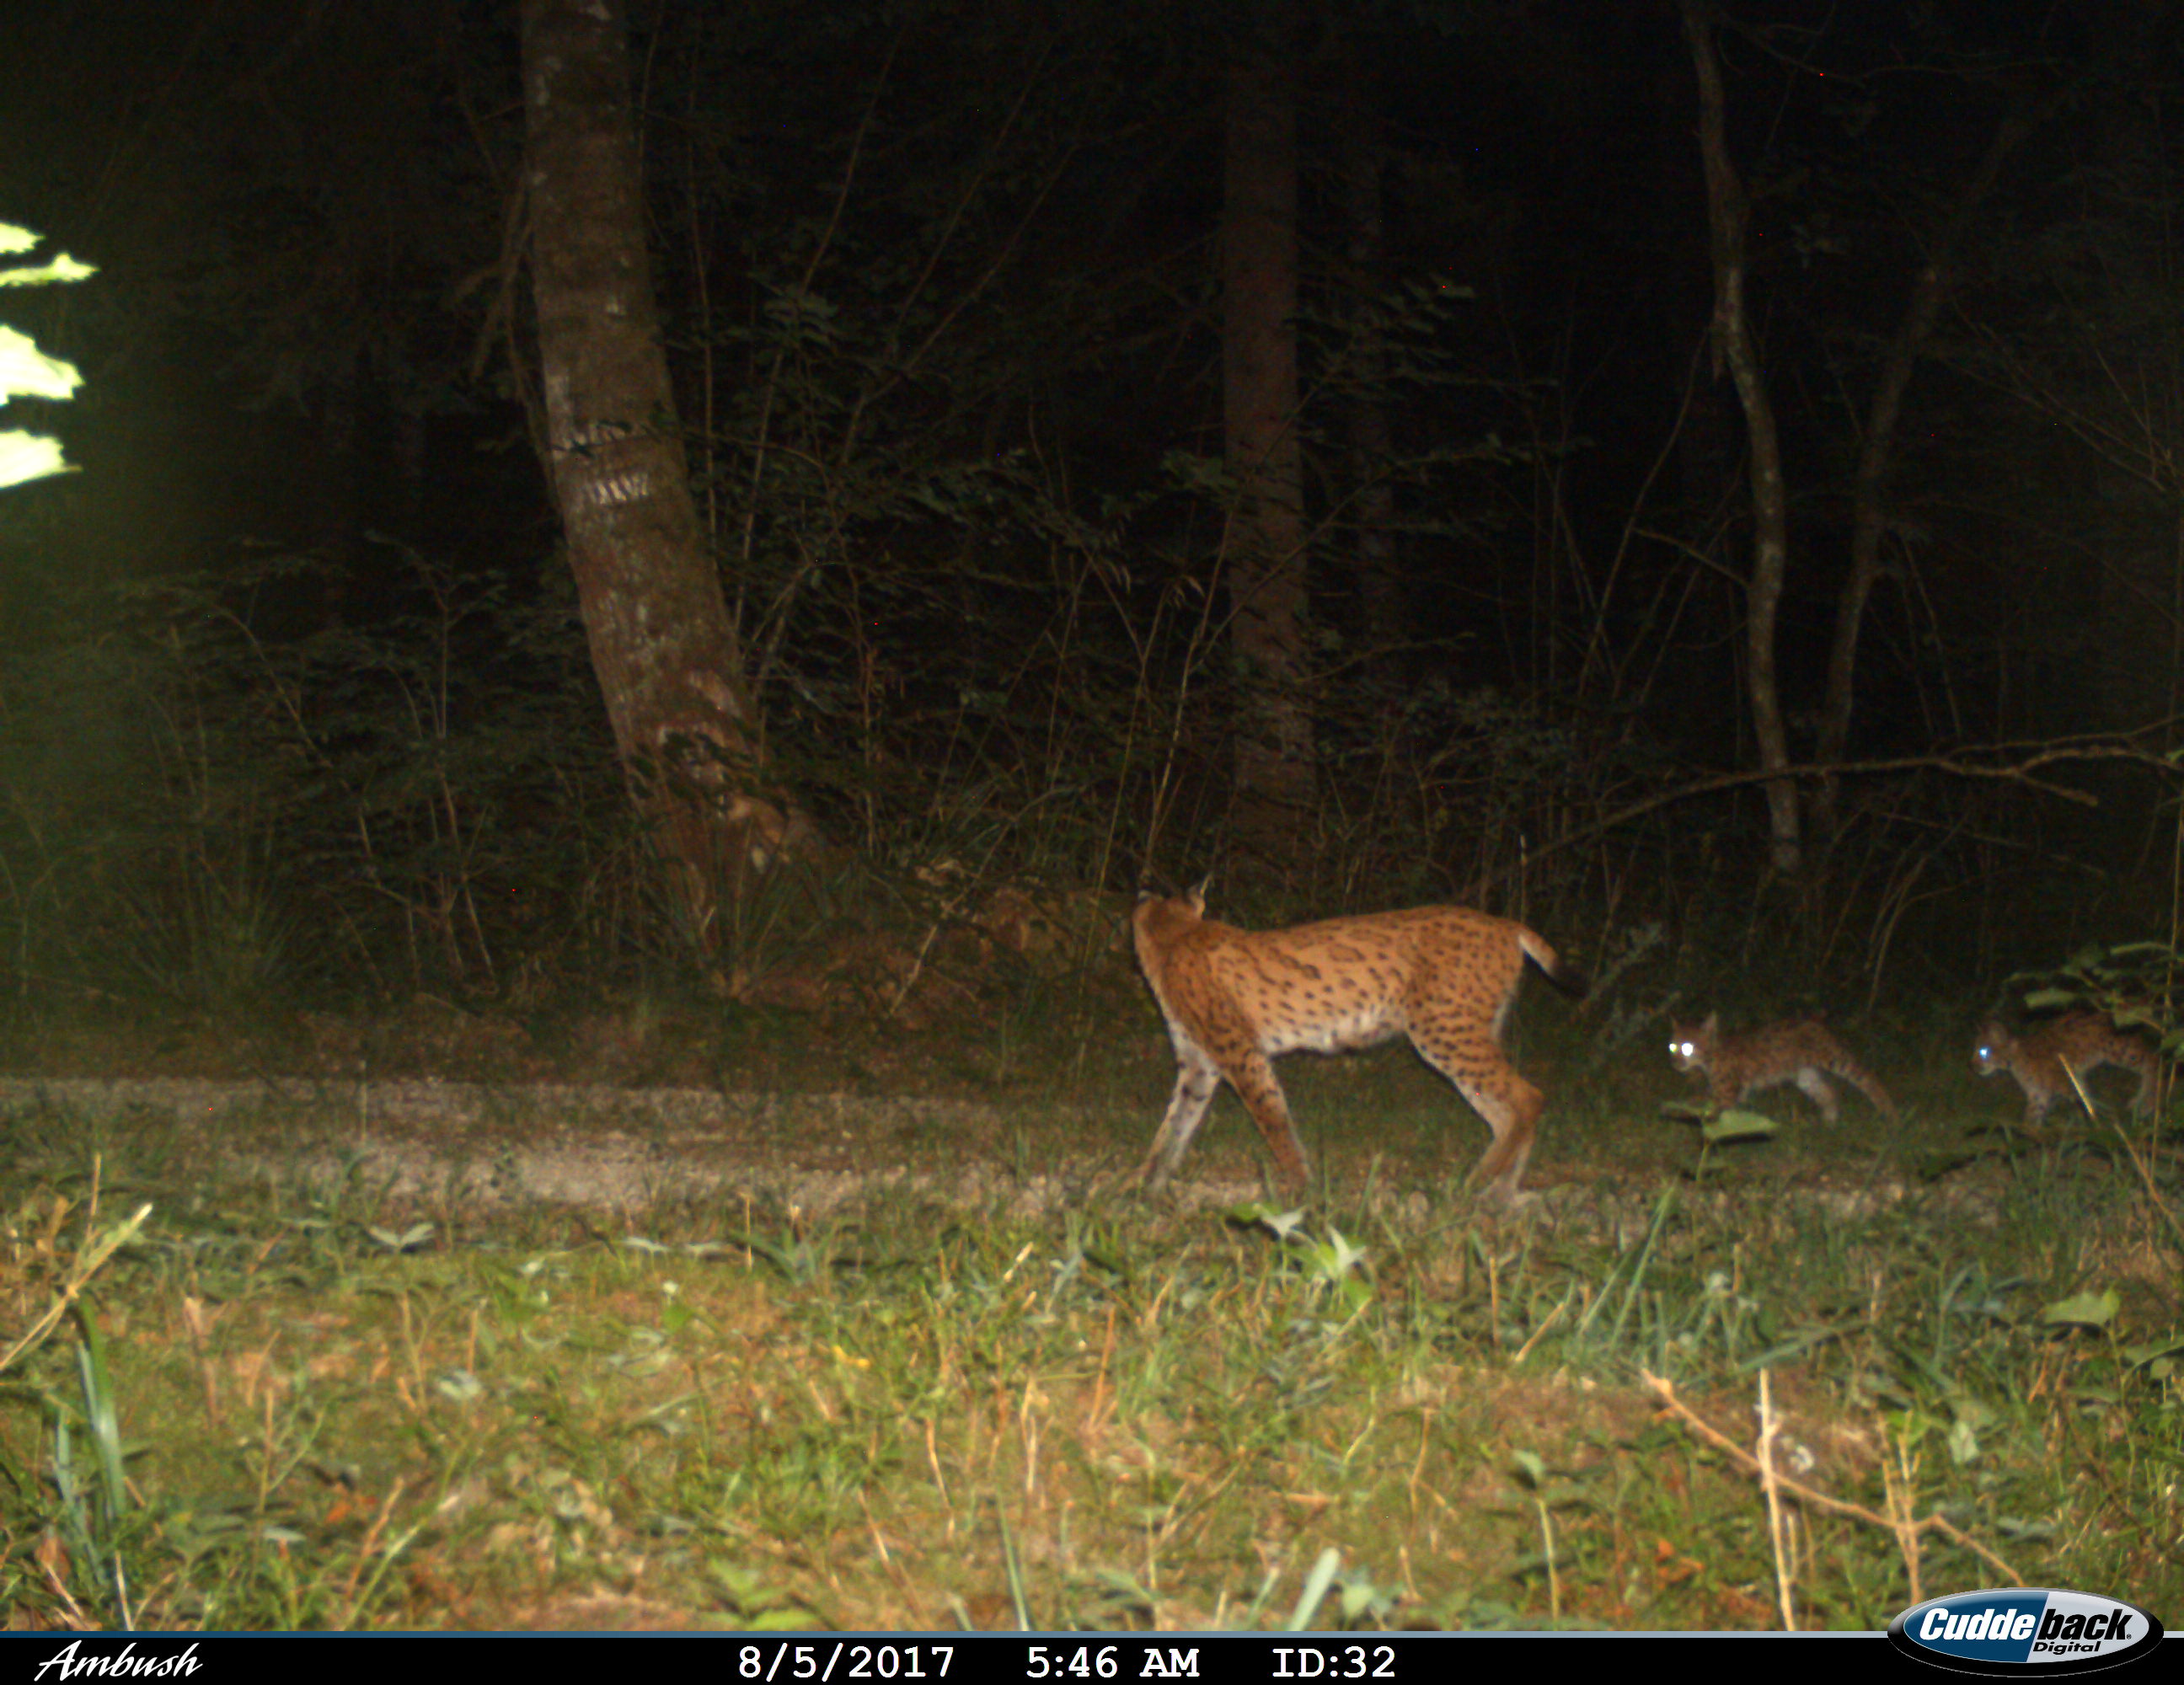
[(1690, 1046), (1162, 920)]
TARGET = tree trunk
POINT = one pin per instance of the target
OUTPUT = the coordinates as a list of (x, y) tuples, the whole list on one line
[(1868, 511), (1276, 786), (1728, 212), (665, 650), (1381, 614)]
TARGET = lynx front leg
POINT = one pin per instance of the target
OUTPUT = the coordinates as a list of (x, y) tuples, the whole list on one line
[(1196, 1082), (1253, 1078), (1883, 1101), (2037, 1105)]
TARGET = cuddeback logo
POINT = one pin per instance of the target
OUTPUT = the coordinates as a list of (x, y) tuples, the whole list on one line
[(2025, 1631)]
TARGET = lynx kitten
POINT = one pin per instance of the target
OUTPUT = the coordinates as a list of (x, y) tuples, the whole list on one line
[(1803, 1051), (2042, 1058)]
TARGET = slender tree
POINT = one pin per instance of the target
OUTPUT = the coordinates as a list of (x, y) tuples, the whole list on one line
[(1275, 766), (1929, 289), (1729, 212), (662, 644)]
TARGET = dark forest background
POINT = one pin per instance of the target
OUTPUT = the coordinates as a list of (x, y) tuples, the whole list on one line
[(295, 701)]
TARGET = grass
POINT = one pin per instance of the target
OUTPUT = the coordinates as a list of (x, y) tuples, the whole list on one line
[(287, 1402)]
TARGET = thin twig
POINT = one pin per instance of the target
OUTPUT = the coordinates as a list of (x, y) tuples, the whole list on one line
[(371, 1542), (1665, 1390), (88, 1263), (1770, 1483), (1951, 762)]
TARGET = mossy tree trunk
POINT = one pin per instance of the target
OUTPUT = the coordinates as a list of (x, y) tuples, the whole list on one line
[(668, 659)]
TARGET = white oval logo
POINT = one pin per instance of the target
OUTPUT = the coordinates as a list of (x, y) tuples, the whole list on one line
[(2024, 1632)]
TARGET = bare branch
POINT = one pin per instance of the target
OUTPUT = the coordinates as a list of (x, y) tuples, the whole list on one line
[(1954, 764)]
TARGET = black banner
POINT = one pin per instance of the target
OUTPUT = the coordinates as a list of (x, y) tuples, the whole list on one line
[(825, 1658)]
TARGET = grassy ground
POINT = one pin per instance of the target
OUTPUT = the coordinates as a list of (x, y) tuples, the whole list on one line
[(276, 1401)]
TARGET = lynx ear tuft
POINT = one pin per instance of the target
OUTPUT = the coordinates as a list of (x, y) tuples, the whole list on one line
[(1197, 897)]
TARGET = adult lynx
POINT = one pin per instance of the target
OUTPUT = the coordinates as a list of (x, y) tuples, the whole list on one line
[(1234, 999)]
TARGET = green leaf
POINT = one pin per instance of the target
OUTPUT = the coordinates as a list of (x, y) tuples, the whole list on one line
[(784, 1620), (63, 268), (1345, 1257), (408, 1240), (1315, 1588), (1736, 1125), (2153, 1351), (459, 1385), (1285, 1224), (2094, 1311)]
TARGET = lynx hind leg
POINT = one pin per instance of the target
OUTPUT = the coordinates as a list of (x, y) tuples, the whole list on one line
[(1514, 1117), (1883, 1101), (1512, 1108), (1196, 1082), (1511, 1105), (2141, 1103), (1821, 1093)]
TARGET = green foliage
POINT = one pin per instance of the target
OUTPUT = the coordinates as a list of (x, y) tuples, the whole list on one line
[(94, 1509), (200, 783), (27, 372), (1333, 1269), (1719, 1126), (2134, 983)]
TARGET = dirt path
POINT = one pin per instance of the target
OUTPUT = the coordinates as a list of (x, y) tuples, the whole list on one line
[(621, 1149), (448, 1146)]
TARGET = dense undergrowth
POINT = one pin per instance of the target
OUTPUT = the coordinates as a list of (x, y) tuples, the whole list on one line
[(230, 792)]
